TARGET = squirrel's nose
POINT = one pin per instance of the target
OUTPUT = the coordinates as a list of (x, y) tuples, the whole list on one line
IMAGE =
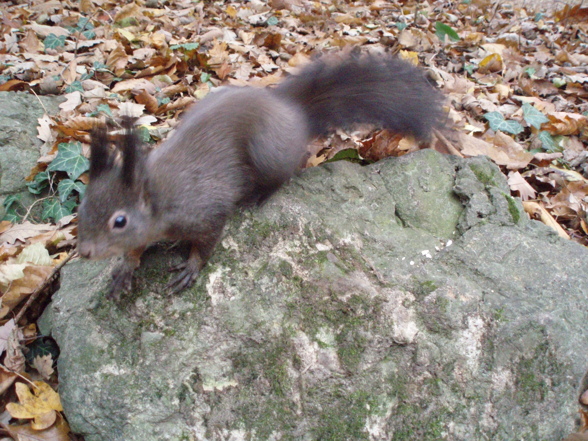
[(85, 250)]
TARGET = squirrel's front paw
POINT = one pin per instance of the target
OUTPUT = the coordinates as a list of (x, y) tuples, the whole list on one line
[(188, 274), (122, 278)]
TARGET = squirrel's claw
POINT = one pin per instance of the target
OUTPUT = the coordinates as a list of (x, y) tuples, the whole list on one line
[(186, 278), (122, 278)]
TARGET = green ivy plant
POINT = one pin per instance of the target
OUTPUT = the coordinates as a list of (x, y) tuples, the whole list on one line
[(70, 160), (64, 198)]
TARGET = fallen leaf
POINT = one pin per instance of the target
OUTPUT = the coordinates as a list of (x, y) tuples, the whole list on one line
[(44, 365), (517, 183), (537, 211), (503, 151), (40, 405), (21, 232), (74, 99)]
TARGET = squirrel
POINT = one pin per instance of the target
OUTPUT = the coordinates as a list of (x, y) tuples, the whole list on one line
[(234, 148)]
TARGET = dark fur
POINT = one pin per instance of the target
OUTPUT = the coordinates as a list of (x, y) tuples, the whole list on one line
[(384, 91), (236, 147)]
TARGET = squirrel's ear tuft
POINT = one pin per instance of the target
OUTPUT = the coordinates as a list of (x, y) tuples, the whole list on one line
[(129, 145), (100, 158)]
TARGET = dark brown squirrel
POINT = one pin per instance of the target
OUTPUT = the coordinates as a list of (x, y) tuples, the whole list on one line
[(236, 147)]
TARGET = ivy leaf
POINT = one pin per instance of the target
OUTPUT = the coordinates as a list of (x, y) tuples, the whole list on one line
[(533, 116), (548, 143), (53, 41), (351, 155), (497, 122), (185, 46), (53, 209), (66, 186), (70, 160), (10, 200), (39, 183), (441, 30), (76, 86), (272, 21), (9, 205), (104, 108)]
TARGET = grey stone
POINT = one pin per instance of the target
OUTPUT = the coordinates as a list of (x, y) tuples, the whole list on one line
[(19, 145), (411, 299)]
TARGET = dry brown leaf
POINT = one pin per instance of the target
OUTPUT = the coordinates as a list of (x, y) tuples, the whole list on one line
[(82, 123), (386, 143), (7, 379), (30, 43), (127, 11), (517, 183), (13, 85), (562, 123), (59, 431), (136, 84), (7, 251), (131, 109), (74, 99), (34, 276), (21, 232), (149, 101), (177, 104), (117, 60), (43, 31), (69, 75), (537, 211), (5, 225), (44, 365), (15, 359), (504, 150), (570, 201), (5, 331)]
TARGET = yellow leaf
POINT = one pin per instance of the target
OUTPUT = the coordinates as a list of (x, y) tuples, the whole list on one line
[(44, 421), (36, 254), (40, 404), (411, 56), (492, 63), (231, 11), (126, 34), (57, 432)]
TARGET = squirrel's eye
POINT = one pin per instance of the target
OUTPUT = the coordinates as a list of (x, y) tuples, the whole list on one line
[(120, 222)]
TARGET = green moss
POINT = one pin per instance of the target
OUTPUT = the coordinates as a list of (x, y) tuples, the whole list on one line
[(346, 419), (285, 269), (423, 288), (499, 315), (269, 362), (531, 384), (419, 423), (484, 173), (351, 345), (513, 208)]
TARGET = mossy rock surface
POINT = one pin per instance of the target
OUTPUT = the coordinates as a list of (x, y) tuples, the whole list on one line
[(406, 300)]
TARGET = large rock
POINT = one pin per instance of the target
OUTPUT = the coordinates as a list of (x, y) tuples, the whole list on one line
[(19, 145), (407, 300)]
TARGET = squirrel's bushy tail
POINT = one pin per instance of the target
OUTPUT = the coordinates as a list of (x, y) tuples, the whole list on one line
[(383, 90)]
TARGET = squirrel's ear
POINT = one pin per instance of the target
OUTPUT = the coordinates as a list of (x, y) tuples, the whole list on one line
[(129, 145), (100, 158)]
